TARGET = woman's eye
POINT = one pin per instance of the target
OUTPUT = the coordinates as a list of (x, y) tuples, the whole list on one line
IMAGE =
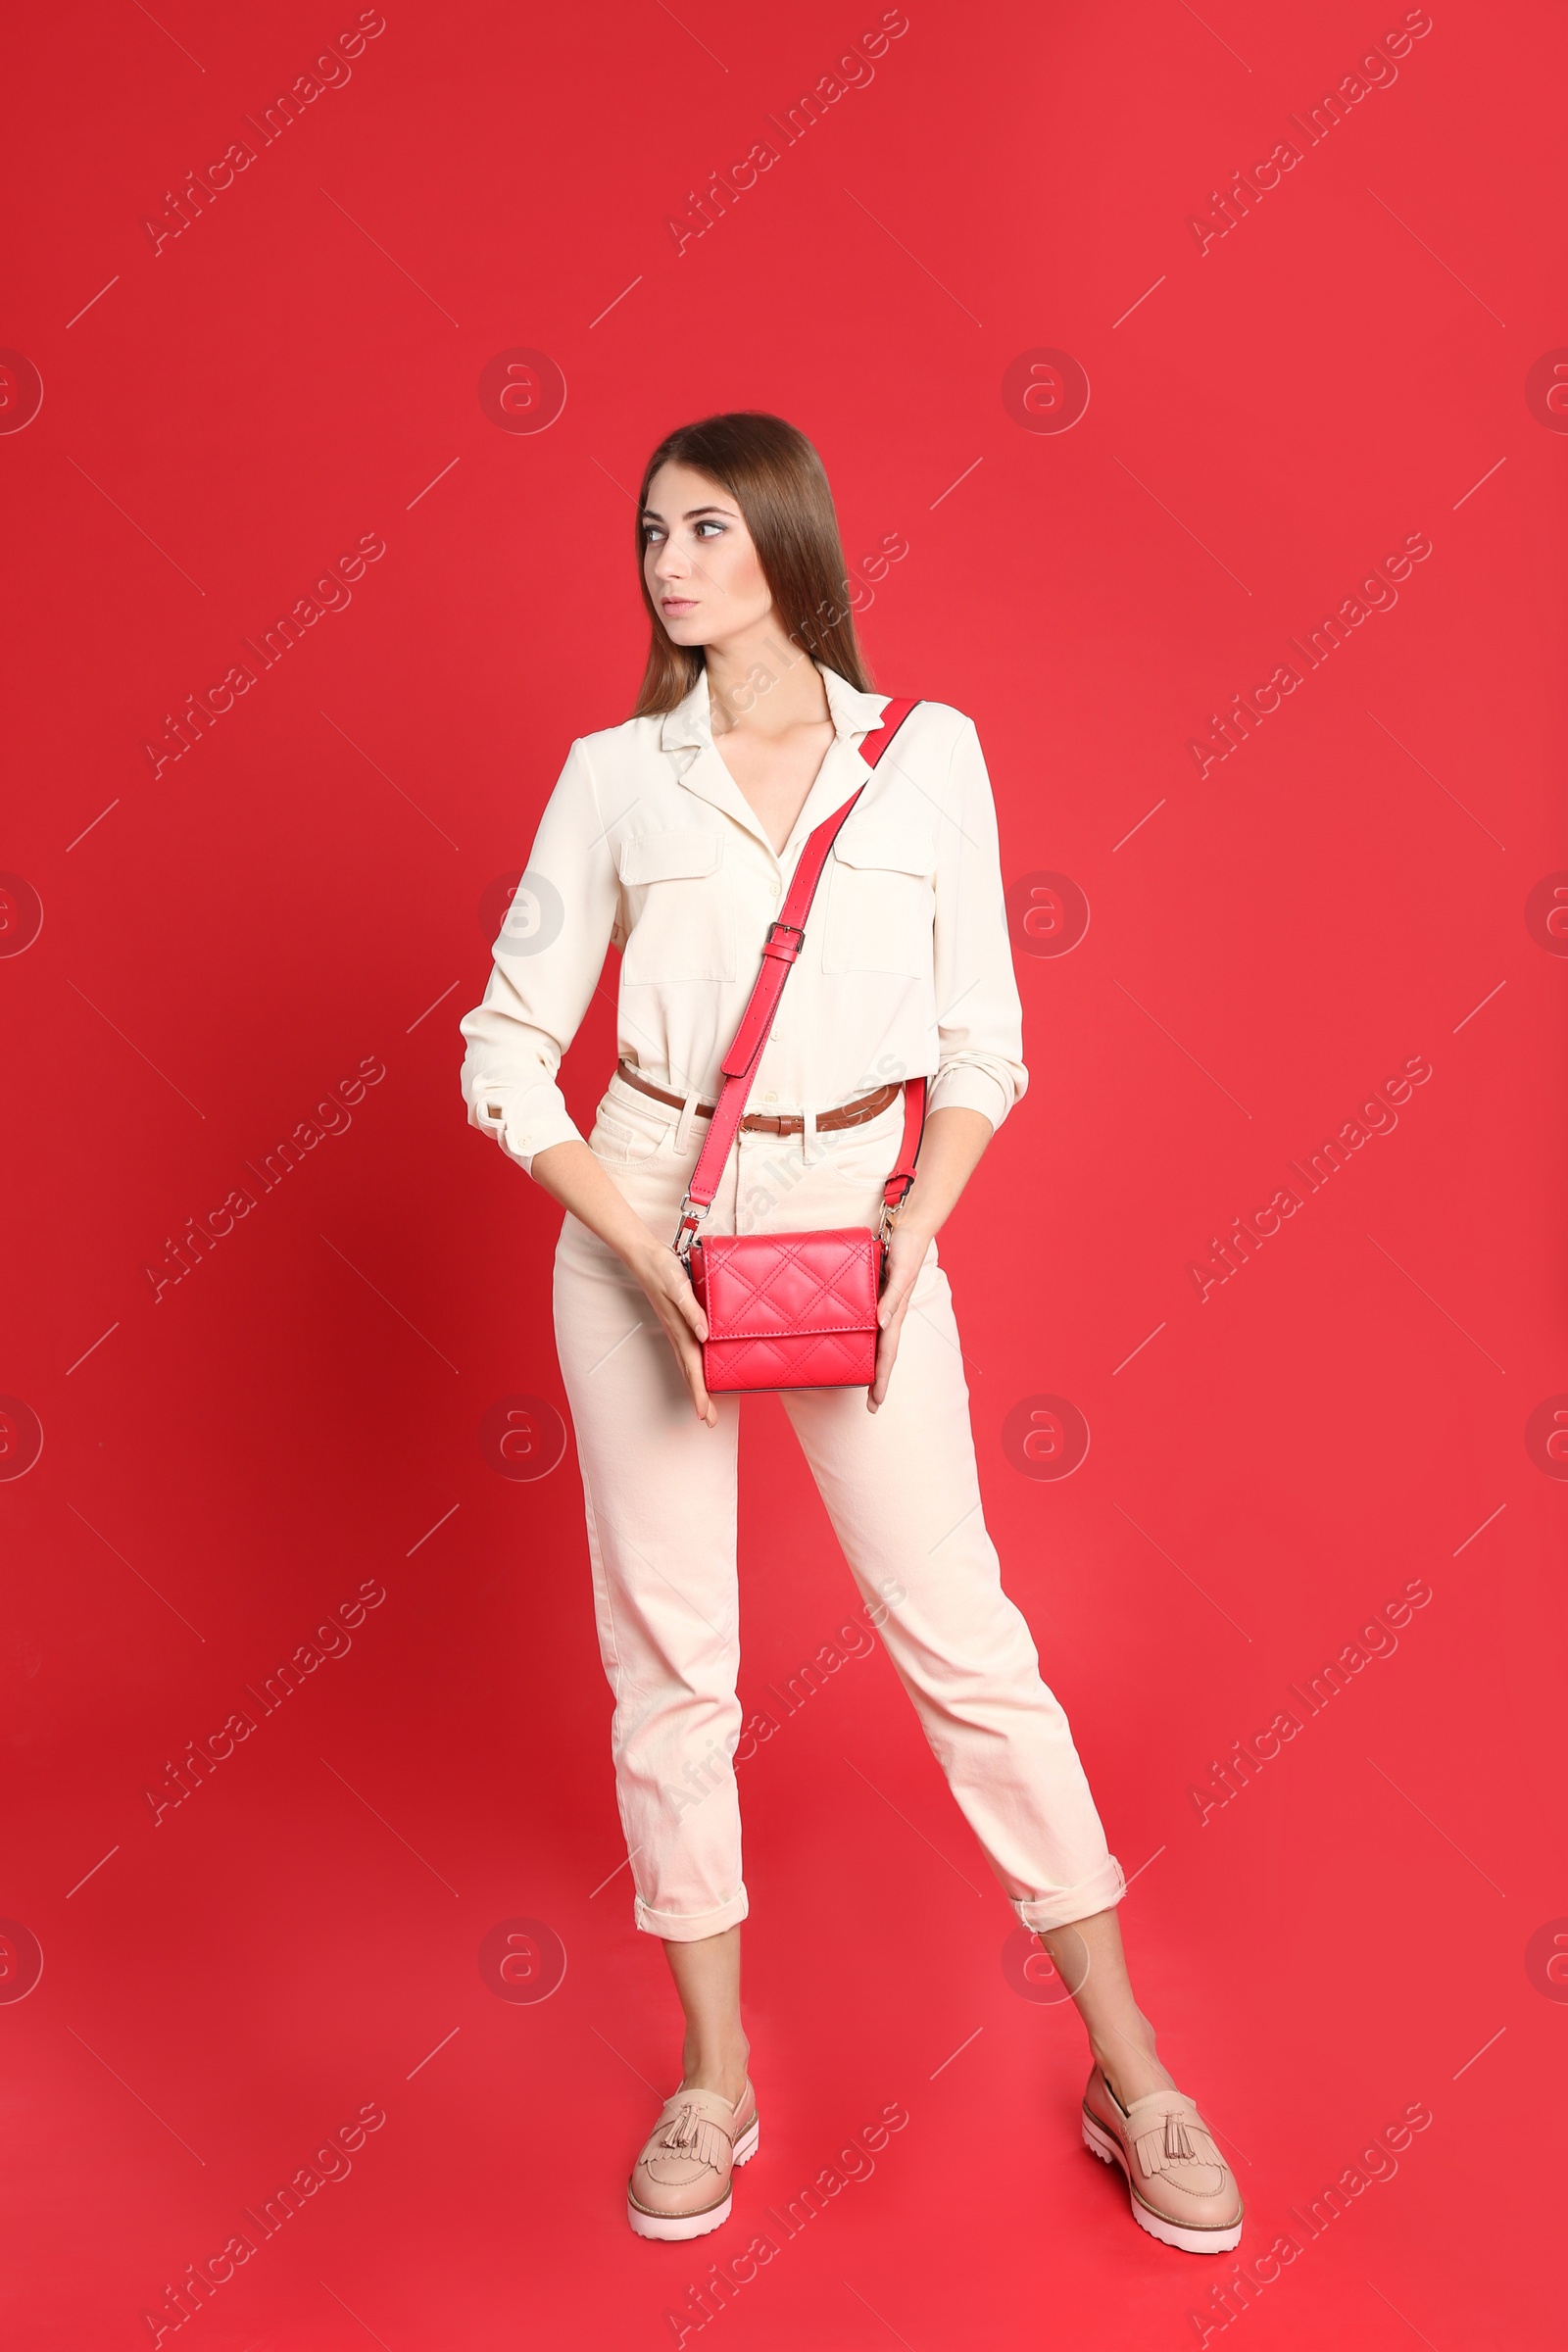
[(710, 525)]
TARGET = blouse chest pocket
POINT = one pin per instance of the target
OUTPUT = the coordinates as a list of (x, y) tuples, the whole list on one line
[(677, 912), (881, 901)]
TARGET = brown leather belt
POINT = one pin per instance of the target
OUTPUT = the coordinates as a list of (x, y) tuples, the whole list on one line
[(761, 1122)]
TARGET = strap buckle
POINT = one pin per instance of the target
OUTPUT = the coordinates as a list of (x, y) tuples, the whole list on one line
[(890, 1211), (691, 1216), (790, 953)]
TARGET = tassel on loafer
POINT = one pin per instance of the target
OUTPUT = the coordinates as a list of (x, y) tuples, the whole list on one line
[(1182, 2189), (680, 2184)]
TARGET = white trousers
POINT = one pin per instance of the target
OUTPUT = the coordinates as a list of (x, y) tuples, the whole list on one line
[(901, 1490)]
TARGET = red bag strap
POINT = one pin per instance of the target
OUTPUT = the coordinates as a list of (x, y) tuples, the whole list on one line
[(785, 939)]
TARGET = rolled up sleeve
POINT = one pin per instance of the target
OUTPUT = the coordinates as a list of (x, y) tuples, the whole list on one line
[(546, 961), (979, 1016)]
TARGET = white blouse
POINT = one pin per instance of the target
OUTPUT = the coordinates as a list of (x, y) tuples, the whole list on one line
[(648, 844)]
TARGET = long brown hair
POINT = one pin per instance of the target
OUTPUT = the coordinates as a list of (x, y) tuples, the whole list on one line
[(777, 480)]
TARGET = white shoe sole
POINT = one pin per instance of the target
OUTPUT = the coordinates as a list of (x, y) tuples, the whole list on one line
[(1108, 2149), (695, 2225)]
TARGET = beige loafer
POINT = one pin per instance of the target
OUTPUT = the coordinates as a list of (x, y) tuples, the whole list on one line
[(680, 2184), (1182, 2189)]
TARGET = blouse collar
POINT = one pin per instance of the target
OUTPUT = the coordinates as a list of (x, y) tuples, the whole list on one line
[(853, 713)]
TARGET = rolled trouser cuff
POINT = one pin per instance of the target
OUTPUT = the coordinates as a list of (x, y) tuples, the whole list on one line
[(689, 1927), (1101, 1890)]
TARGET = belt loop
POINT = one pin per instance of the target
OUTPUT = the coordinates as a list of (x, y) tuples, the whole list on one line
[(684, 1125), (807, 1136)]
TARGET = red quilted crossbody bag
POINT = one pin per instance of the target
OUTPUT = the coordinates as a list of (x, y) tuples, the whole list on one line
[(791, 1310)]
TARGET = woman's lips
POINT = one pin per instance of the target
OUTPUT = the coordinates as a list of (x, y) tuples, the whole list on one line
[(678, 603)]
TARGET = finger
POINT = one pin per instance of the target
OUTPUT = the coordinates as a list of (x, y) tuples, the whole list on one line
[(887, 1349), (671, 1288), (895, 1302), (689, 1355), (685, 1300), (683, 1292), (704, 1405)]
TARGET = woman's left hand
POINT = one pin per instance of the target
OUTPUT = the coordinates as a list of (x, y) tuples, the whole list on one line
[(907, 1253)]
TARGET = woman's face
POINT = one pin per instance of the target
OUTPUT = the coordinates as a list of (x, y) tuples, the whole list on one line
[(701, 566)]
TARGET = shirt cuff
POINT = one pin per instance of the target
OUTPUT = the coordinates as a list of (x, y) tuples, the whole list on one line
[(520, 1132), (961, 1086)]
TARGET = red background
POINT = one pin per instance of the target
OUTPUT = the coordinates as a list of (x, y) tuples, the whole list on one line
[(229, 414)]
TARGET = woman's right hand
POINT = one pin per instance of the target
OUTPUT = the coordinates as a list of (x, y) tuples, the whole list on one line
[(570, 1174), (668, 1286)]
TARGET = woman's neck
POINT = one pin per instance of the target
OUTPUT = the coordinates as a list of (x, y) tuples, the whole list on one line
[(764, 683)]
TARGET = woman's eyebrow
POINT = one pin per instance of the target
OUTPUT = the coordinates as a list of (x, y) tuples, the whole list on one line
[(691, 512)]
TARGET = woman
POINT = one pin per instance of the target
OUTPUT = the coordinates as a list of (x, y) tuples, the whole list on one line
[(674, 837)]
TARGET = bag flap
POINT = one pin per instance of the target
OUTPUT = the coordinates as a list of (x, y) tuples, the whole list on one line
[(765, 1285)]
